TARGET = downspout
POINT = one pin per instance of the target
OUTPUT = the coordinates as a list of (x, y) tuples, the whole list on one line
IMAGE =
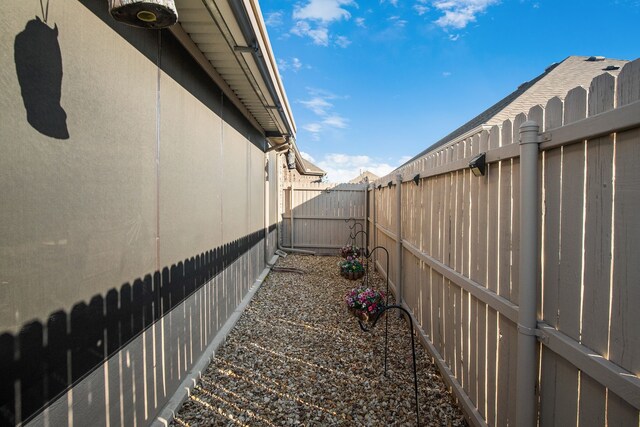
[(527, 367), (266, 207), (280, 247), (250, 37)]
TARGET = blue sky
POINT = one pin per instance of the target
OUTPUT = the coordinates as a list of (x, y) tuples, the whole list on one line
[(373, 83)]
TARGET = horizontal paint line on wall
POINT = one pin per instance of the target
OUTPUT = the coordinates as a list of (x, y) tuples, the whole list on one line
[(328, 190), (315, 246), (321, 217), (90, 333)]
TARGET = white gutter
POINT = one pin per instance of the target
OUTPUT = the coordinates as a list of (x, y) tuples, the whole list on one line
[(186, 41), (265, 46), (250, 33)]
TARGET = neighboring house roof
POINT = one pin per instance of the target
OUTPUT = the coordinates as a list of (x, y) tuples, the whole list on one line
[(556, 80), (365, 176), (312, 169)]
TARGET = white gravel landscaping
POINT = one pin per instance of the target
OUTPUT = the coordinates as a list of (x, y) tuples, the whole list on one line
[(297, 357)]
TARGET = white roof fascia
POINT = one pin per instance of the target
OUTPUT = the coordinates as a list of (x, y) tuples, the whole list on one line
[(265, 46), (191, 47)]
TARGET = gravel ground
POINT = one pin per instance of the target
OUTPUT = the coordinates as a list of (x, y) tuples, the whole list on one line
[(297, 357)]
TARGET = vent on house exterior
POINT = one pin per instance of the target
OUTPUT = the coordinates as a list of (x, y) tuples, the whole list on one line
[(610, 68), (595, 58), (550, 67)]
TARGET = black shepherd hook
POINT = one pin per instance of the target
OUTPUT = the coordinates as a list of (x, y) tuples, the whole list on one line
[(368, 255), (350, 219), (413, 349), (386, 302), (386, 331), (353, 236)]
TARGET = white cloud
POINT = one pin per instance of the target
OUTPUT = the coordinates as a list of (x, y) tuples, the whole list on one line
[(295, 65), (319, 105), (335, 121), (393, 3), (420, 9), (282, 65), (319, 35), (446, 73), (454, 37), (397, 21), (274, 19), (360, 22), (314, 18), (459, 13), (342, 41), (313, 127), (343, 167), (323, 10), (307, 156)]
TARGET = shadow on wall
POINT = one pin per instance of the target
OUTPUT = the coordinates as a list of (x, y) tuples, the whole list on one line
[(38, 62), (43, 361)]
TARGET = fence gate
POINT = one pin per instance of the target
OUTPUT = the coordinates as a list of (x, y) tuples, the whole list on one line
[(316, 216)]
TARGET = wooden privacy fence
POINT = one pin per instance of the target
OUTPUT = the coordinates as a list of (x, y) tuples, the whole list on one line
[(315, 215), (455, 242)]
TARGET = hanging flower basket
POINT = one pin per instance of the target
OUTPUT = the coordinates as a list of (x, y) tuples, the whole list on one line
[(350, 251), (352, 275), (365, 303), (351, 269)]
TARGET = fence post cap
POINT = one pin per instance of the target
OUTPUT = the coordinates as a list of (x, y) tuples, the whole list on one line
[(529, 125)]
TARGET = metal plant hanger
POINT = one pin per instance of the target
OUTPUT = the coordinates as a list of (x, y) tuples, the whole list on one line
[(367, 328), (353, 240)]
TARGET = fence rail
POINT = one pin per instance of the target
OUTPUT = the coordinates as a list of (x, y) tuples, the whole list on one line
[(458, 268), (316, 216)]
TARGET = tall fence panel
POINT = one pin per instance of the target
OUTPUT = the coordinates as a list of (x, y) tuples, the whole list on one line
[(460, 260), (317, 216)]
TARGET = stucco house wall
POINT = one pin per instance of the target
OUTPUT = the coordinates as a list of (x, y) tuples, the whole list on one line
[(132, 216)]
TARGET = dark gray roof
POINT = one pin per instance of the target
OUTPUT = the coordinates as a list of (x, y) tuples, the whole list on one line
[(312, 169), (556, 80)]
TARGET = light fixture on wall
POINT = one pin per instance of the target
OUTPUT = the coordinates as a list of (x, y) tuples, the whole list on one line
[(291, 159), (152, 14), (477, 164)]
